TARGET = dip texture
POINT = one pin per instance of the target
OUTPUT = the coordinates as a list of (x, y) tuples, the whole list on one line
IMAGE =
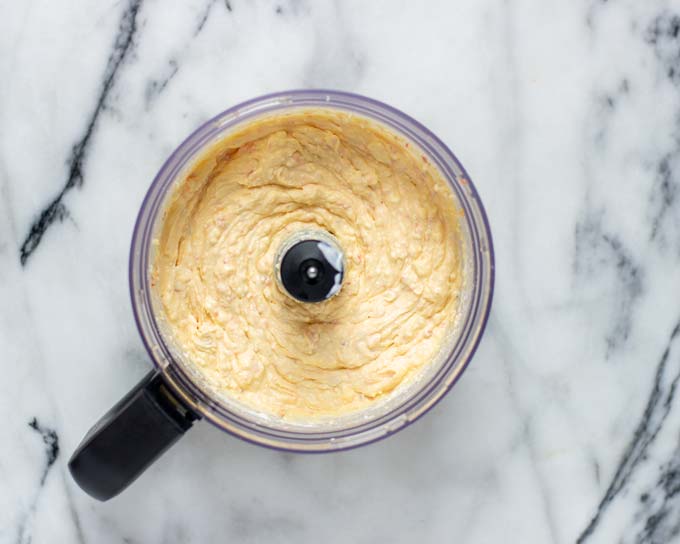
[(214, 275)]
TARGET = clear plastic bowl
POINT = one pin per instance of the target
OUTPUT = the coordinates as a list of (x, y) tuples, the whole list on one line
[(356, 429)]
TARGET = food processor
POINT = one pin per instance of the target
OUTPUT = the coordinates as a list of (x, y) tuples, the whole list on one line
[(310, 267)]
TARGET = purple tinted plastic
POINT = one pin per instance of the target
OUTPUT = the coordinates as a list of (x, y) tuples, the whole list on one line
[(413, 407)]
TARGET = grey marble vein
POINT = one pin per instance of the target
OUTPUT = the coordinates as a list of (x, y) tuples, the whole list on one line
[(512, 135), (159, 83), (510, 363), (75, 516), (606, 107), (204, 17), (296, 7), (156, 86), (335, 61), (664, 197), (595, 248)]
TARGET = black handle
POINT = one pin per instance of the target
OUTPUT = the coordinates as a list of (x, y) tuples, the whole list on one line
[(131, 436)]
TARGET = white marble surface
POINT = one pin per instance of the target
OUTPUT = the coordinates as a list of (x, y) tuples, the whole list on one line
[(567, 116)]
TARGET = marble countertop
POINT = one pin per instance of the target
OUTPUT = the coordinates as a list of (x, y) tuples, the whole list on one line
[(564, 429)]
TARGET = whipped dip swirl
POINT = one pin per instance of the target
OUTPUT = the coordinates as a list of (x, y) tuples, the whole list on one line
[(390, 210)]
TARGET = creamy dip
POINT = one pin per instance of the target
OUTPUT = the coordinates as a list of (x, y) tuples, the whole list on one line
[(214, 268)]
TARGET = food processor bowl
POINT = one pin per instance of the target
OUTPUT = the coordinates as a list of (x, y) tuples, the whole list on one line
[(179, 393)]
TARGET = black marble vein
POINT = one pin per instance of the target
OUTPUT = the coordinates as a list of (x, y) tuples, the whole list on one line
[(665, 197), (596, 248), (55, 210), (50, 440), (663, 36), (655, 413), (660, 506)]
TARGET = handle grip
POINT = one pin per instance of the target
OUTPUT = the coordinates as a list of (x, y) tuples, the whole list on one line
[(129, 437)]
